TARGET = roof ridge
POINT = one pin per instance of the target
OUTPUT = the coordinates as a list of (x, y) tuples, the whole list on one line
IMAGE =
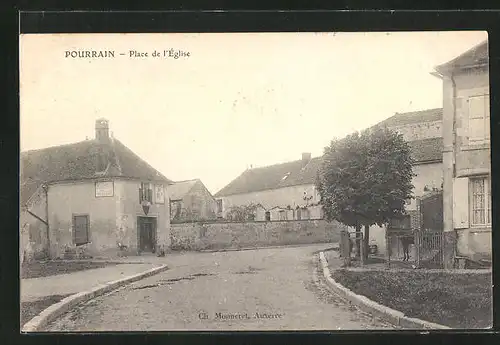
[(116, 156), (59, 146), (183, 181), (158, 173), (283, 163)]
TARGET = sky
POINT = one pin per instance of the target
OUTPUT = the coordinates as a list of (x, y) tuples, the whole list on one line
[(238, 100)]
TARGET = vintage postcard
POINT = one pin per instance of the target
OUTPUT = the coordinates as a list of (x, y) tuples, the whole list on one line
[(255, 181)]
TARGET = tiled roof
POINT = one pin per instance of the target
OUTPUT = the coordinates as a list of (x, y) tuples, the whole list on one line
[(272, 177), (427, 150), (476, 56), (178, 190), (421, 116), (81, 160)]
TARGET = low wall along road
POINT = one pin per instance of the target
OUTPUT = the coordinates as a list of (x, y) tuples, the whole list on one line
[(229, 235)]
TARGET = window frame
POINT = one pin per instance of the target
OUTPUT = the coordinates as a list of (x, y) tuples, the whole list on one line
[(486, 210), (148, 195)]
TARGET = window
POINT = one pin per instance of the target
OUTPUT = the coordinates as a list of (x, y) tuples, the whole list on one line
[(299, 214), (159, 194), (146, 192), (80, 229), (219, 205), (480, 191), (479, 118), (268, 216), (283, 215)]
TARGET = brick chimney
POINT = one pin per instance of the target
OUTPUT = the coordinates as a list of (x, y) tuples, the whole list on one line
[(102, 130), (306, 157)]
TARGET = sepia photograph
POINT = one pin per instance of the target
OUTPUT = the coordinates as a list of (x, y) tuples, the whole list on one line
[(285, 181)]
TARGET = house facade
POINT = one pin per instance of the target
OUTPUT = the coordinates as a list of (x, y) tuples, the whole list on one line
[(91, 198), (191, 201), (466, 155), (281, 192)]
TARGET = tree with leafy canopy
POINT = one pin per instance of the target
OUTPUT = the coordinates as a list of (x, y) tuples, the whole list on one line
[(365, 179)]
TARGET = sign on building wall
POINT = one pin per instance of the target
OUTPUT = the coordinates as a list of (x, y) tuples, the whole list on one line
[(159, 194), (104, 188)]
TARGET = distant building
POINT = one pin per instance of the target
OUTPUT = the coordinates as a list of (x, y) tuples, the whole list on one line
[(191, 201), (94, 197), (283, 191), (467, 155)]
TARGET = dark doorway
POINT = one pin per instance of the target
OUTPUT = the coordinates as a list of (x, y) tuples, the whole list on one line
[(431, 207), (146, 228)]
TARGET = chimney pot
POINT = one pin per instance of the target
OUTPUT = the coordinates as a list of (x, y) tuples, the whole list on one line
[(102, 130)]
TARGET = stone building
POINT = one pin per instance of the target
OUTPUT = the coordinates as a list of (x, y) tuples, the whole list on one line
[(94, 197), (466, 155), (191, 201), (282, 191)]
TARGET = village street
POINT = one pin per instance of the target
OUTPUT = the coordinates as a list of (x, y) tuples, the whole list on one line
[(224, 291)]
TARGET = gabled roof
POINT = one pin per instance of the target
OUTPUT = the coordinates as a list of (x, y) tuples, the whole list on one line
[(427, 150), (414, 117), (81, 160), (477, 56), (272, 177), (180, 189)]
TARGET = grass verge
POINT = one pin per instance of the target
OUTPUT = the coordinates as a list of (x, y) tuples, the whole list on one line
[(51, 268), (451, 299), (31, 309)]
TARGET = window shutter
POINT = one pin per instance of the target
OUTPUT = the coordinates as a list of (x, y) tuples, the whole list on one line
[(477, 129), (80, 230), (478, 112), (461, 203)]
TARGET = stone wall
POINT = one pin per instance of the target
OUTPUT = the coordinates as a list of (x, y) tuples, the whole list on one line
[(224, 235), (33, 232)]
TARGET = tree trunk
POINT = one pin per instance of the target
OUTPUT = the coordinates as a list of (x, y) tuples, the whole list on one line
[(366, 242), (358, 241)]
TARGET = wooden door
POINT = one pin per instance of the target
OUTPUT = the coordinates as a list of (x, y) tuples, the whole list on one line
[(80, 229), (147, 234)]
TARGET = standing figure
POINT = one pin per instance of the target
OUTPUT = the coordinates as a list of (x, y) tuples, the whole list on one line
[(406, 241)]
